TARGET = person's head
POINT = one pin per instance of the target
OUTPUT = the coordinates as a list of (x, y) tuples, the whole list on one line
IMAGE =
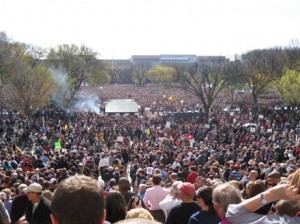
[(200, 182), (34, 192), (204, 198), (21, 188), (3, 196), (112, 182), (124, 184), (78, 200), (14, 176), (139, 213), (236, 184), (156, 179), (213, 169), (8, 192), (256, 188), (174, 190), (295, 181), (223, 195), (253, 174), (46, 185), (290, 208), (19, 170), (52, 184), (6, 179), (140, 172), (273, 178), (173, 176), (248, 187), (137, 220), (142, 188), (115, 206), (48, 194), (187, 191), (193, 168)]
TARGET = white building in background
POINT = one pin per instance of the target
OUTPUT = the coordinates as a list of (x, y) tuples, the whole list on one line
[(166, 59)]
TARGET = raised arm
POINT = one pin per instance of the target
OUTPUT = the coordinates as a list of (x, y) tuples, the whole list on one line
[(278, 192)]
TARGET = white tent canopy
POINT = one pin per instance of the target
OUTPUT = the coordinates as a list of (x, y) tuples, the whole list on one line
[(121, 106)]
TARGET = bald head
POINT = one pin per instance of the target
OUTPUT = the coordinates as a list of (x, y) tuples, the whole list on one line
[(253, 175)]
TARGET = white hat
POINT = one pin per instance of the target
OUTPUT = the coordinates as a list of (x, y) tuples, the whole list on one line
[(35, 188), (52, 180)]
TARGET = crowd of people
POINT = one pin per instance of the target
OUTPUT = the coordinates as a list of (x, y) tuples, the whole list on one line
[(153, 166)]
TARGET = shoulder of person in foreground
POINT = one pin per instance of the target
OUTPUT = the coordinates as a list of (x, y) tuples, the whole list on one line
[(137, 220), (244, 212)]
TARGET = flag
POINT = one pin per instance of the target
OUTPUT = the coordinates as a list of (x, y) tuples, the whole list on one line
[(148, 131), (190, 136), (57, 145)]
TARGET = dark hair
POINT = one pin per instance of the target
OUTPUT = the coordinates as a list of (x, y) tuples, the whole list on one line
[(78, 200), (205, 193), (156, 179), (115, 207), (124, 184), (193, 168), (46, 184), (257, 187)]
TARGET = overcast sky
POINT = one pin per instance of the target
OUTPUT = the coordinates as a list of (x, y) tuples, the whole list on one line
[(121, 28)]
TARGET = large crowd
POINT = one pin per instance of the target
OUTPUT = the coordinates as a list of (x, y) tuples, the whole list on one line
[(153, 164)]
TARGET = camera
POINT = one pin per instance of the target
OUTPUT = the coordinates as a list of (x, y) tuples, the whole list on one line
[(136, 199)]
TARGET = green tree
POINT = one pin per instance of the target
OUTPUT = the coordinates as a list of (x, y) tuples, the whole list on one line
[(80, 63), (100, 77), (288, 87), (29, 89), (261, 67), (161, 74), (10, 54)]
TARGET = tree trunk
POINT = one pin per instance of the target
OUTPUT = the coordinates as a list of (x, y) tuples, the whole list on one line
[(254, 98), (206, 113)]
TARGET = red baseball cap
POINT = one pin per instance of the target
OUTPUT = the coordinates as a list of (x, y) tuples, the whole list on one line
[(186, 188)]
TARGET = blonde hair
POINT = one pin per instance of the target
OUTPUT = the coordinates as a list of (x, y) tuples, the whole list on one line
[(142, 187), (48, 194), (236, 184), (295, 181), (7, 191), (139, 213)]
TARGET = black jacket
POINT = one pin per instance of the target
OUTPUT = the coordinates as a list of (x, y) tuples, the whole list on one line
[(42, 213)]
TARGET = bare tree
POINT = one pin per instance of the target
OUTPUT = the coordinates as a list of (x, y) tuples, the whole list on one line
[(293, 55), (34, 54), (261, 67), (139, 72), (205, 81)]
